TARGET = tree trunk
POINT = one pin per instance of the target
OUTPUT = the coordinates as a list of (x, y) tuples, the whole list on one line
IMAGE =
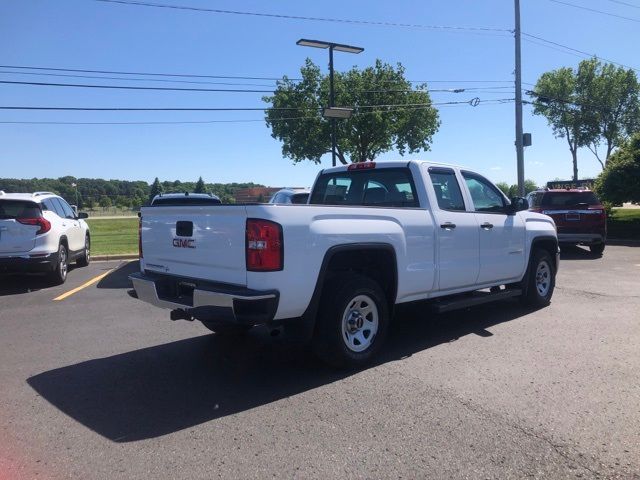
[(574, 154)]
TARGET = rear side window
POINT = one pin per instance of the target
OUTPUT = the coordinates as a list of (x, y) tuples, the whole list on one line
[(385, 187), (445, 184), (569, 199), (64, 207), (12, 209), (54, 207)]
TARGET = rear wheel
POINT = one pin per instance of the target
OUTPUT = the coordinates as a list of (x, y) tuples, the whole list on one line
[(85, 258), (597, 249), (541, 280), (59, 274), (352, 322)]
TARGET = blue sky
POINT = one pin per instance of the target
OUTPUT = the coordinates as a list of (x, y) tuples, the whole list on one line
[(86, 34)]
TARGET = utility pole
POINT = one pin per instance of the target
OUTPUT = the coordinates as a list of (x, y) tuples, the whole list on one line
[(519, 133), (332, 101)]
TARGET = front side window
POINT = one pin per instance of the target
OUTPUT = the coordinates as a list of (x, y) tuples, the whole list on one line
[(485, 196), (445, 185)]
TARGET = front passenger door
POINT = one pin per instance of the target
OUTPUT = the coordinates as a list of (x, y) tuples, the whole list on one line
[(72, 227), (502, 236)]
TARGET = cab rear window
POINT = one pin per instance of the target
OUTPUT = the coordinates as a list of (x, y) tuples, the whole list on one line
[(384, 187), (569, 199), (12, 209)]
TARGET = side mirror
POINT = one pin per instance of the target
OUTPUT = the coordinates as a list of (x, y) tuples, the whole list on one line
[(518, 204), (83, 215)]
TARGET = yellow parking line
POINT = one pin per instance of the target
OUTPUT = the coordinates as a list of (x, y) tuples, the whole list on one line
[(84, 285)]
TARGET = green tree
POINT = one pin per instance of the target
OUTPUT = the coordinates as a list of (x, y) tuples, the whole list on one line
[(613, 93), (105, 202), (559, 96), (200, 186), (156, 189), (620, 180), (512, 190), (388, 113)]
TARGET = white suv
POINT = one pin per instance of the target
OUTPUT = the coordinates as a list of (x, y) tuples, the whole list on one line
[(41, 232)]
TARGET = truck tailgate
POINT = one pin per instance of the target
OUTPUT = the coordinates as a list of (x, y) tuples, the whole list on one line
[(206, 242)]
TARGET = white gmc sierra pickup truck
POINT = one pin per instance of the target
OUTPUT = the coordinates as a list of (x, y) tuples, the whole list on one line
[(372, 236)]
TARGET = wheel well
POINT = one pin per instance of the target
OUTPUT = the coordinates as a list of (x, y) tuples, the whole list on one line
[(377, 263), (548, 244), (63, 241)]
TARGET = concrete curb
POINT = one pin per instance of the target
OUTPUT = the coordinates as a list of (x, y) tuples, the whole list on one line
[(101, 258)]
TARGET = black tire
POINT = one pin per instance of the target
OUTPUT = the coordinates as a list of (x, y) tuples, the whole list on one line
[(350, 302), (540, 281), (59, 274), (226, 330), (84, 259), (597, 249)]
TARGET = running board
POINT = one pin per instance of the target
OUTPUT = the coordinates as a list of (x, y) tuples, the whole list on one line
[(476, 298)]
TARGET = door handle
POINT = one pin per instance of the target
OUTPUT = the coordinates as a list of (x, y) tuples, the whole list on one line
[(448, 225), (486, 226)]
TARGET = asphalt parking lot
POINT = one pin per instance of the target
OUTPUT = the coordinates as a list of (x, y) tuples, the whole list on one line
[(99, 385)]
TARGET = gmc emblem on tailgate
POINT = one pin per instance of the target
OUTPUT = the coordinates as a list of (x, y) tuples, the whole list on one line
[(184, 243)]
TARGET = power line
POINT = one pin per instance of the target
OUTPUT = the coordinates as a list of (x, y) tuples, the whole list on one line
[(135, 79), (619, 2), (446, 104), (473, 102), (130, 87), (315, 19), (586, 54), (601, 12), (112, 72), (190, 75)]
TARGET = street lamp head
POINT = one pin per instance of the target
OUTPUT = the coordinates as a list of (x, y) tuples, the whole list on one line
[(337, 112), (339, 47)]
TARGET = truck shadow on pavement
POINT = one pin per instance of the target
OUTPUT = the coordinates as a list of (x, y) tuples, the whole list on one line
[(119, 277), (166, 388)]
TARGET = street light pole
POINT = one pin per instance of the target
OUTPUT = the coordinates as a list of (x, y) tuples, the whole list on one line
[(519, 133), (333, 113)]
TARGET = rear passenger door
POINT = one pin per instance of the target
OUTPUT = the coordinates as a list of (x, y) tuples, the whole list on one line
[(502, 236), (71, 226), (457, 232)]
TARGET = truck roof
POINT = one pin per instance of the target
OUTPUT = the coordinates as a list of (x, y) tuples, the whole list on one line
[(392, 164)]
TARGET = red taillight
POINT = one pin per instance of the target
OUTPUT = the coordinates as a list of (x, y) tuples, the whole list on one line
[(361, 166), (43, 223), (264, 245), (140, 237)]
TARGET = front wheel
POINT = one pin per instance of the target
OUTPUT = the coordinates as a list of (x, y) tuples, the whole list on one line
[(352, 323), (597, 249), (85, 258), (541, 280)]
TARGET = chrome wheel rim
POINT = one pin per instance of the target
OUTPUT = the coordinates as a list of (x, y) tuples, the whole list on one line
[(63, 262), (543, 278), (360, 322), (87, 250)]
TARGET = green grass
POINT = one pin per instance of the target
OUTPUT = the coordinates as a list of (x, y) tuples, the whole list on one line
[(113, 236), (624, 223)]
